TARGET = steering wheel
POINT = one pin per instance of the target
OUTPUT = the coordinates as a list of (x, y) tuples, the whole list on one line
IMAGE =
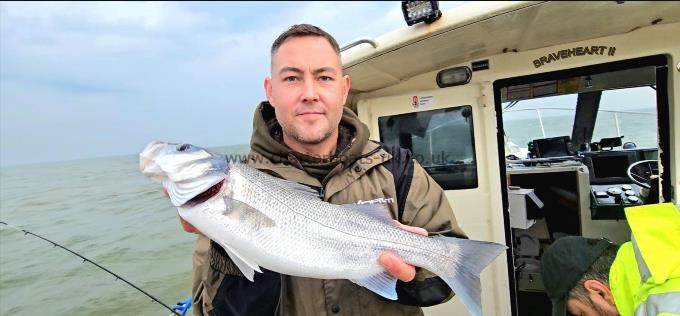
[(641, 172)]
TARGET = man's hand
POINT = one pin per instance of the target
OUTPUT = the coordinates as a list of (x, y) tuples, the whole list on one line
[(185, 225), (395, 265)]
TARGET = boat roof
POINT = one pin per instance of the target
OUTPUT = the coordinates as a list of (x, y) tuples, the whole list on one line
[(477, 30)]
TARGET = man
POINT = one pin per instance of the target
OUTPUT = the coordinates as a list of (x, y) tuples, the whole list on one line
[(590, 277), (305, 134)]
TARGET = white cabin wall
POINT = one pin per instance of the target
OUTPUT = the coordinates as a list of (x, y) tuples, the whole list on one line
[(478, 210)]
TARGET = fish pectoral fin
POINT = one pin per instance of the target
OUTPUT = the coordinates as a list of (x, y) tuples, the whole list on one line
[(375, 210), (383, 284), (247, 215), (300, 188), (246, 266)]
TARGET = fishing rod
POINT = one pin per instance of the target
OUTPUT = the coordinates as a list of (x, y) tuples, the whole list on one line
[(181, 306)]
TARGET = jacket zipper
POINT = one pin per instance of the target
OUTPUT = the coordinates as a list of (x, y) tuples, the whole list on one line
[(322, 193)]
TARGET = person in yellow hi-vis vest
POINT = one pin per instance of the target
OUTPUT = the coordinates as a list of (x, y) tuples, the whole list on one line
[(641, 278)]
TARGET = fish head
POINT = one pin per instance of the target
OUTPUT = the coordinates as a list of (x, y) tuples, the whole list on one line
[(186, 171)]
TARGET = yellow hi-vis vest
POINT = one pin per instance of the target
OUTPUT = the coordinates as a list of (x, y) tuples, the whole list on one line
[(645, 275)]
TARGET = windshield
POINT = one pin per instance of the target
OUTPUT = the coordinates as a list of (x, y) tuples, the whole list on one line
[(539, 118), (628, 112)]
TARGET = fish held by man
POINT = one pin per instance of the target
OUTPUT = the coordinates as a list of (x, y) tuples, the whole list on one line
[(283, 226)]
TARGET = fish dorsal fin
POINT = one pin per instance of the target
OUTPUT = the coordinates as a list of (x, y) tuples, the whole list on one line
[(375, 210), (300, 188), (247, 267), (382, 284)]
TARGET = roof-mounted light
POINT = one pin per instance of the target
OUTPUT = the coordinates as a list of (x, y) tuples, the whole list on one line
[(454, 77), (420, 11)]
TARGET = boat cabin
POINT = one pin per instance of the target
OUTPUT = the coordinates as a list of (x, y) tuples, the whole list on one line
[(538, 119)]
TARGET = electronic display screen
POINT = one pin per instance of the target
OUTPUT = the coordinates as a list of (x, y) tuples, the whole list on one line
[(552, 147), (610, 166)]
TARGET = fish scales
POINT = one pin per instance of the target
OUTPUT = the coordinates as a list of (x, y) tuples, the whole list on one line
[(319, 226), (263, 221), (321, 218)]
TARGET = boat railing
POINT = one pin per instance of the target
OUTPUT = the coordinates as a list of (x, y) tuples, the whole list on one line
[(616, 115)]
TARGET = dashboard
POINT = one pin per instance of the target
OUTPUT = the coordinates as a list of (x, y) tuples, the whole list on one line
[(610, 188)]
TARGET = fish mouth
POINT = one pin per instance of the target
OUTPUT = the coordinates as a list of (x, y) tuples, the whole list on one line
[(206, 195)]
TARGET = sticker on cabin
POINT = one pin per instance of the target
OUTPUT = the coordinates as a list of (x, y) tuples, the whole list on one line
[(422, 101), (576, 51)]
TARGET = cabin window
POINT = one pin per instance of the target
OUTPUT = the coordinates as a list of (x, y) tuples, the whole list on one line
[(630, 113), (588, 111), (535, 119), (441, 140)]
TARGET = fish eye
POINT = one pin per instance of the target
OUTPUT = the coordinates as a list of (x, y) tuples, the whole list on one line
[(183, 147)]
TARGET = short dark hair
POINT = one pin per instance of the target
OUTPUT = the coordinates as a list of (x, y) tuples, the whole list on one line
[(599, 271), (300, 30)]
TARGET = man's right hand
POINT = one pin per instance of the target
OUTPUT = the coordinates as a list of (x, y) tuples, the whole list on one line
[(185, 225)]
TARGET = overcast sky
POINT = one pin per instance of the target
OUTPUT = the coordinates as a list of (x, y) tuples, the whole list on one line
[(81, 80)]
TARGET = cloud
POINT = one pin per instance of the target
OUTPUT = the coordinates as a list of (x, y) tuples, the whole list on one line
[(94, 17), (178, 71)]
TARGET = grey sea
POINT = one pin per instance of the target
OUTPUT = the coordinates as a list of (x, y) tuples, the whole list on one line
[(105, 210)]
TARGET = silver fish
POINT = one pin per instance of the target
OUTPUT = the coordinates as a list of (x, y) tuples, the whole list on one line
[(283, 226)]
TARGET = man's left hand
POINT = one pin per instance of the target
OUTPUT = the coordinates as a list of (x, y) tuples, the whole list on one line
[(395, 265)]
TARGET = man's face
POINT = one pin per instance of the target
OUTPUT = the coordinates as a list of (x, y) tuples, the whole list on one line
[(307, 89)]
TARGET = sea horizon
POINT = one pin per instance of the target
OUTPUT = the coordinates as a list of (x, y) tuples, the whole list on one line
[(112, 156)]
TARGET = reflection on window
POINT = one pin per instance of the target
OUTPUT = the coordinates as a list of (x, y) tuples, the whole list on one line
[(441, 140)]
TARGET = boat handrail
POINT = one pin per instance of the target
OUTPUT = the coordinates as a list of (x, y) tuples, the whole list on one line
[(356, 42)]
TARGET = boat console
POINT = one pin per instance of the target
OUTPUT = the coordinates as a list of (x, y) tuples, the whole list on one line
[(611, 189), (611, 185)]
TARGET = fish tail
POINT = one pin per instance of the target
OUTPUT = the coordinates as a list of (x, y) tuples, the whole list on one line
[(462, 275)]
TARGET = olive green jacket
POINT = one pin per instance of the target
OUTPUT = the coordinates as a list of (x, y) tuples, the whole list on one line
[(366, 179)]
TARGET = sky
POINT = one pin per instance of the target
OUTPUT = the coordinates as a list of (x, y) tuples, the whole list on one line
[(80, 80)]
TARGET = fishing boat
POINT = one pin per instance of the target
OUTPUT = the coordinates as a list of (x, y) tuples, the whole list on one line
[(538, 119)]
